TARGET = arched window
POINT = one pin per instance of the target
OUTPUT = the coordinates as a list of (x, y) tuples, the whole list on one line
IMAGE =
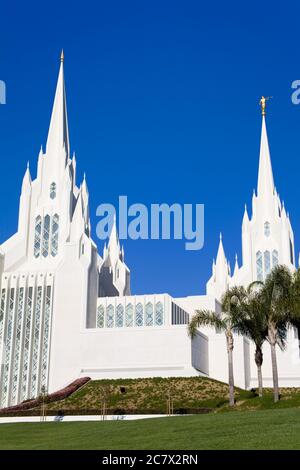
[(110, 316), (149, 314), (267, 262), (37, 236), (100, 316), (274, 258), (259, 266), (46, 236), (54, 235), (53, 190), (120, 316), (139, 314), (159, 314), (129, 315), (267, 229)]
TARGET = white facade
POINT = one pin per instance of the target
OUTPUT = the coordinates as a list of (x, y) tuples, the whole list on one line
[(67, 312)]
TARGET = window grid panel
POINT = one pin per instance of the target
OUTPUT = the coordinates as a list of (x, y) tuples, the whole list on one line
[(274, 258), (17, 348), (46, 236), (149, 314), (26, 350), (8, 346), (110, 316), (100, 316), (120, 316), (129, 315), (36, 342), (267, 262), (37, 236), (139, 315), (45, 341), (2, 316), (52, 190), (267, 229), (159, 314), (259, 266), (54, 235)]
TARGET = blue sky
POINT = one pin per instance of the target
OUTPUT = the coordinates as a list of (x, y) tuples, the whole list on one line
[(163, 106)]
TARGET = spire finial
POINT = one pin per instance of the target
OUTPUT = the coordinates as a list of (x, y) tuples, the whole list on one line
[(263, 104), (220, 235), (62, 56)]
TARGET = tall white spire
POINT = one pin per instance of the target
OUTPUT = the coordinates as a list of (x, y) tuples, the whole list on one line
[(114, 244), (58, 135), (265, 185)]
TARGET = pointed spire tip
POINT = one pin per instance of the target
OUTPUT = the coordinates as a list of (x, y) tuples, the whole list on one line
[(62, 56)]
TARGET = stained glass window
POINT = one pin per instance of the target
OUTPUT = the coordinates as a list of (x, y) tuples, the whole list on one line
[(37, 236), (7, 348), (110, 316), (36, 342), (120, 316), (129, 315), (17, 352), (100, 316), (54, 235), (46, 334), (259, 266), (25, 368), (267, 262), (267, 229), (149, 314), (53, 190), (46, 236), (159, 314), (274, 258), (139, 315)]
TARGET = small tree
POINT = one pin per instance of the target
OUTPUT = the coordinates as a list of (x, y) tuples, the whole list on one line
[(224, 322), (277, 302), (250, 321)]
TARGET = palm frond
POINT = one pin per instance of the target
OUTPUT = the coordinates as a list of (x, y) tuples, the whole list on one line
[(205, 318)]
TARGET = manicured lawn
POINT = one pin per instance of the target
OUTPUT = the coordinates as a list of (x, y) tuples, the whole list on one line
[(269, 429)]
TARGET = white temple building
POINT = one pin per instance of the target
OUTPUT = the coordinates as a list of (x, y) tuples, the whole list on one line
[(67, 312)]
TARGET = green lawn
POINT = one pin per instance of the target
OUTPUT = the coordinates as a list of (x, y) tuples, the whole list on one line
[(269, 429)]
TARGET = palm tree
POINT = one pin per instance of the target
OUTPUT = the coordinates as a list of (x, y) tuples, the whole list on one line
[(276, 300), (224, 322), (250, 321)]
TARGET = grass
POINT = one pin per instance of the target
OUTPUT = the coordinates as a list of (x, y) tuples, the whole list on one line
[(269, 429), (150, 395)]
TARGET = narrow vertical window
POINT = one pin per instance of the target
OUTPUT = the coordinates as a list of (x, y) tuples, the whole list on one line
[(267, 262), (110, 316), (53, 190), (37, 236), (259, 266), (139, 315), (100, 316), (267, 229), (274, 258), (120, 316), (129, 315), (54, 235), (46, 236), (149, 314), (159, 314)]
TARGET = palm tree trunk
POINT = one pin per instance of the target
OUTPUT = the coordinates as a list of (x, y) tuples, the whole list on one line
[(275, 373), (259, 361), (272, 336), (260, 381), (229, 338)]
